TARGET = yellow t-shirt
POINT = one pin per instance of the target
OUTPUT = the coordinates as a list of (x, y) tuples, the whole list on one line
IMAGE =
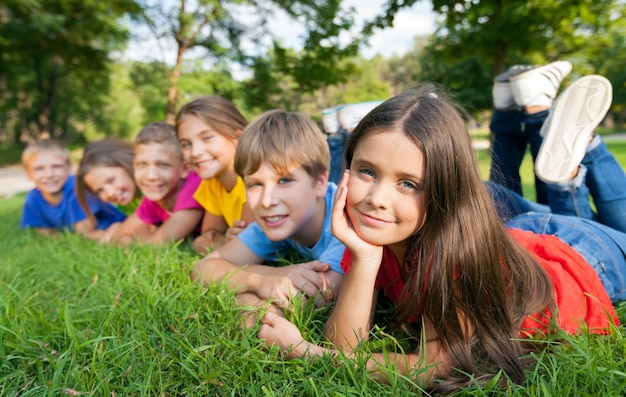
[(215, 199)]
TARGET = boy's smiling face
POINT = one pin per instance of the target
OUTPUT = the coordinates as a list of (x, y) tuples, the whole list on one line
[(49, 171), (289, 205), (158, 172)]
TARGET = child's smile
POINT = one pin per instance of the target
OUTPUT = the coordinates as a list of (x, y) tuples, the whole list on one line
[(158, 173), (209, 153), (286, 205), (111, 184), (385, 193)]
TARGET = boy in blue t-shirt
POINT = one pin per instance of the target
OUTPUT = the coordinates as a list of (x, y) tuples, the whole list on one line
[(52, 205), (284, 160)]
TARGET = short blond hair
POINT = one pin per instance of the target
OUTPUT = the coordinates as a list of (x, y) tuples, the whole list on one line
[(44, 145), (283, 139)]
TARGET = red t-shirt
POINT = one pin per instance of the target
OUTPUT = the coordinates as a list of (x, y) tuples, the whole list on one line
[(579, 293)]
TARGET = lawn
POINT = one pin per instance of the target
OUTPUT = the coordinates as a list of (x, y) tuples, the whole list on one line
[(78, 318)]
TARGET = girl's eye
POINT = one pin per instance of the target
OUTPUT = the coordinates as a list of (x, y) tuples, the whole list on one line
[(283, 181), (207, 137), (367, 172), (409, 185), (184, 145)]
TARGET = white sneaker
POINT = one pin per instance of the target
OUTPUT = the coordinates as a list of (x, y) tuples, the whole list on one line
[(502, 95), (539, 86), (569, 126)]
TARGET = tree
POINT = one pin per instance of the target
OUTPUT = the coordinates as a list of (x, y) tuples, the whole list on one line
[(499, 31), (217, 27), (46, 43)]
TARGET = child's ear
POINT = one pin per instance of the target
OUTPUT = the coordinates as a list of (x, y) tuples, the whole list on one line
[(321, 184)]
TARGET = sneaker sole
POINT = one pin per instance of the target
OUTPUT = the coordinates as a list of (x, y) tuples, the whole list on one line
[(579, 109)]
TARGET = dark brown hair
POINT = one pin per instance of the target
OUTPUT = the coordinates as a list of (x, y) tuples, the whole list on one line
[(462, 264), (162, 133)]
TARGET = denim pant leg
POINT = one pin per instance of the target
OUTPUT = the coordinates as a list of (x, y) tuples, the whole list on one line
[(531, 125), (602, 247), (336, 145), (572, 197), (607, 184), (508, 145), (510, 204)]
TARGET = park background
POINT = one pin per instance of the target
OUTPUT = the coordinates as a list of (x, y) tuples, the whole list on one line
[(78, 318)]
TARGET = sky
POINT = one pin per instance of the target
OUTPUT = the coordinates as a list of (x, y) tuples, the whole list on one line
[(408, 23), (397, 40)]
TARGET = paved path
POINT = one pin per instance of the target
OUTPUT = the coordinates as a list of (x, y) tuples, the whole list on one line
[(13, 181)]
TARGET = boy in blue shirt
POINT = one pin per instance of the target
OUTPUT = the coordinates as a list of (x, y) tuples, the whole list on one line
[(284, 160), (52, 204)]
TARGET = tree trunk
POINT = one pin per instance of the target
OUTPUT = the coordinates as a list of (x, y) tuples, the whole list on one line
[(172, 89), (44, 119)]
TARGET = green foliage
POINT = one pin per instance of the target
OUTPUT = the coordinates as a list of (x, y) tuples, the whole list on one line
[(54, 61)]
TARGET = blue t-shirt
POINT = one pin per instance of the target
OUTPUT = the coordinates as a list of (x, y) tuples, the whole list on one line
[(328, 249), (38, 213)]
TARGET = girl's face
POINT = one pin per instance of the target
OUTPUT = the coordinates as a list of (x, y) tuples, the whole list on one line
[(385, 193), (111, 184), (208, 153)]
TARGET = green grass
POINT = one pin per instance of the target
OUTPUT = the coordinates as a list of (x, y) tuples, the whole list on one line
[(78, 318)]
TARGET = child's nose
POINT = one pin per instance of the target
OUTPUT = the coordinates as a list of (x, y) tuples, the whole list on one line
[(152, 172), (109, 193), (268, 199), (196, 150), (379, 196)]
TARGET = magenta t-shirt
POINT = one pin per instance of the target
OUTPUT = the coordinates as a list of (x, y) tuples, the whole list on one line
[(151, 212)]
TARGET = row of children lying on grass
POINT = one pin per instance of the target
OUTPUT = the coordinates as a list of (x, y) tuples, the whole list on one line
[(150, 181), (421, 227)]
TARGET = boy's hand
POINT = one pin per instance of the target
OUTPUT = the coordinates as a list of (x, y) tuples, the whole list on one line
[(235, 229), (286, 282), (342, 227)]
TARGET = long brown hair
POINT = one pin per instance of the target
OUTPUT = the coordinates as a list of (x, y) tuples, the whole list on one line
[(463, 266), (217, 112), (108, 152)]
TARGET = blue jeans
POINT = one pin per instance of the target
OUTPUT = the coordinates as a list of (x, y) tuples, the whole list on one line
[(599, 175), (512, 131), (336, 144), (602, 177), (601, 246), (510, 204)]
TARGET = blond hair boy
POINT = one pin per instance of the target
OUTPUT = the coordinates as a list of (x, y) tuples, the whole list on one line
[(283, 159)]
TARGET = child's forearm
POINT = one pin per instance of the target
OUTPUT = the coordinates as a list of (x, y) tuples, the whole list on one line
[(350, 321), (211, 269)]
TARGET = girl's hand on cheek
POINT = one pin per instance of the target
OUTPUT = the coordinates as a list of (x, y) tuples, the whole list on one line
[(343, 229)]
